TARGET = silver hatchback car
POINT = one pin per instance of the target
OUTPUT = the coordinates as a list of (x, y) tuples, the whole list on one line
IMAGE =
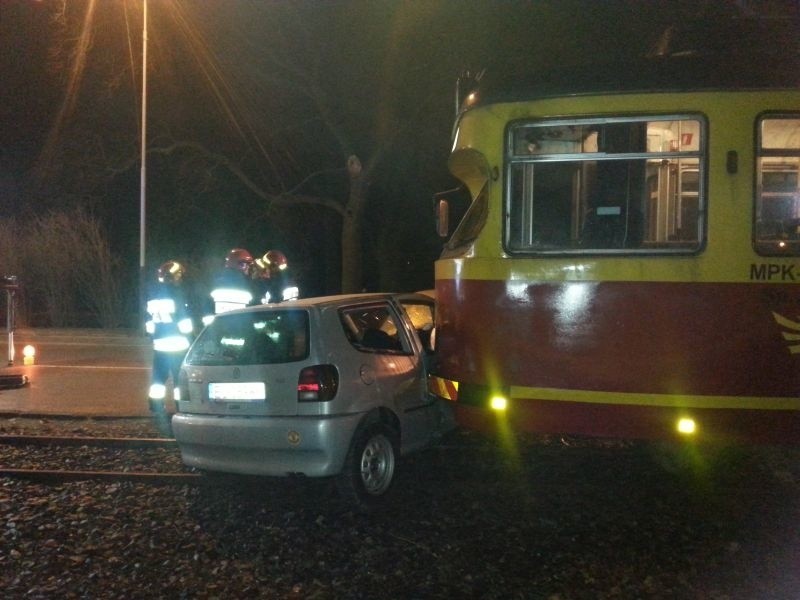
[(330, 386)]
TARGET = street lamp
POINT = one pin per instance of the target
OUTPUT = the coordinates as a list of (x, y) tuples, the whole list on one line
[(143, 179)]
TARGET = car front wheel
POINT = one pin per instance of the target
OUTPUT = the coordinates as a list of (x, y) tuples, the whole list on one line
[(369, 468)]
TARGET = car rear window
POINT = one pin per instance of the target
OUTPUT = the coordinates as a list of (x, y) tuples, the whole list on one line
[(253, 338)]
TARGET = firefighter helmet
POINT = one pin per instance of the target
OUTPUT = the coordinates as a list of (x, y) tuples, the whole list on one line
[(171, 272), (239, 259), (275, 260)]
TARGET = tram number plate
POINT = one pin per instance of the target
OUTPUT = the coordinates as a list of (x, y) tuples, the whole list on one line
[(238, 391)]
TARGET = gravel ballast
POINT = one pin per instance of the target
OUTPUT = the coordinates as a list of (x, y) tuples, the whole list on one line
[(537, 517)]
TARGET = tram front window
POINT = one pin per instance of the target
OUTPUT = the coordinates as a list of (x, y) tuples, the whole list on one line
[(627, 184), (777, 187)]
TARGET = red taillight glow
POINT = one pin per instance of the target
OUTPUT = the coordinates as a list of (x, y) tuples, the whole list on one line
[(317, 384)]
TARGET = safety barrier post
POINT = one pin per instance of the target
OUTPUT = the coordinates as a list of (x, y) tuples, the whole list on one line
[(10, 285)]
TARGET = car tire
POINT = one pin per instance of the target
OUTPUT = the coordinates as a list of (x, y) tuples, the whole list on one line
[(369, 468)]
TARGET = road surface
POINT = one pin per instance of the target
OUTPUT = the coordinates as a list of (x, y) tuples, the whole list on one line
[(78, 372)]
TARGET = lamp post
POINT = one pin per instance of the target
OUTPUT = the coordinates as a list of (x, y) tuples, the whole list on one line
[(143, 178)]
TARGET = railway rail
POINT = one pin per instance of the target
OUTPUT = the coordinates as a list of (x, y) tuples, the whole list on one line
[(74, 440), (60, 476), (64, 475)]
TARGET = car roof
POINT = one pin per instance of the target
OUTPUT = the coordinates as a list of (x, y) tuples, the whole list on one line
[(338, 300)]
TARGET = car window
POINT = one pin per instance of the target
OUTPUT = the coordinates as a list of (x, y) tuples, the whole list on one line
[(421, 316), (264, 337), (373, 328)]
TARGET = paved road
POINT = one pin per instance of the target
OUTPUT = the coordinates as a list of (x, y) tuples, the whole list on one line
[(78, 372)]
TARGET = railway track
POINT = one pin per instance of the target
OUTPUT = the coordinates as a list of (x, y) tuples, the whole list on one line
[(71, 440), (128, 443)]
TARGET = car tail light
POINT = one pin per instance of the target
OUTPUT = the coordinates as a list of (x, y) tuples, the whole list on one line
[(317, 384)]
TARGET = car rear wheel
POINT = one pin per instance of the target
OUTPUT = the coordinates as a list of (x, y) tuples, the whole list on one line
[(369, 468)]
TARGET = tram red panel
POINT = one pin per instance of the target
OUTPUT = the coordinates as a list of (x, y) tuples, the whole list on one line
[(639, 337)]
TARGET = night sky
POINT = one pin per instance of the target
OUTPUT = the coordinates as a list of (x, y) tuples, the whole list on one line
[(254, 107)]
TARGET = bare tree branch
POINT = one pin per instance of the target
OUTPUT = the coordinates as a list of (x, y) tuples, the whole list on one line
[(284, 199)]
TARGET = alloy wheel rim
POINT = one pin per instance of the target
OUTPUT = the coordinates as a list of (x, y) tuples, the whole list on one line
[(377, 465)]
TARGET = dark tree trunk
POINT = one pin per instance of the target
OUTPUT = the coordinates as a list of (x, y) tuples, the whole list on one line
[(352, 276)]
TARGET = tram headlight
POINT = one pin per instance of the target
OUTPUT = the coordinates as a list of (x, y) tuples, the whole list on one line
[(498, 403), (686, 426)]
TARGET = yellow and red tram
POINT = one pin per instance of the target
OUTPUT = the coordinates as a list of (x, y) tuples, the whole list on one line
[(630, 260)]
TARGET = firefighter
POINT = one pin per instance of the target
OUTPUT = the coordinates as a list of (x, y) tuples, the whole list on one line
[(232, 288), (170, 327), (273, 276)]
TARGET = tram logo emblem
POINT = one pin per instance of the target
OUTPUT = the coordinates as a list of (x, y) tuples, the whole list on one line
[(793, 336)]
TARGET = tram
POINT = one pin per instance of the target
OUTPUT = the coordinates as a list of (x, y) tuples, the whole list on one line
[(629, 262)]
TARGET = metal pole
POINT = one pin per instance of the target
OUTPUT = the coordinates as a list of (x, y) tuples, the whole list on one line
[(143, 181), (10, 325), (10, 285)]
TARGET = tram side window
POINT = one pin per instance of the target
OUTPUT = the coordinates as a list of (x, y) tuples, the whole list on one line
[(628, 184), (777, 210)]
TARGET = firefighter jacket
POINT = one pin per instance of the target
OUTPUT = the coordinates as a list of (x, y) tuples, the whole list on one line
[(169, 323), (231, 289), (277, 288)]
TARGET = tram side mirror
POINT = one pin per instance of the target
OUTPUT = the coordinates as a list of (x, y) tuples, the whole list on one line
[(450, 204), (442, 218)]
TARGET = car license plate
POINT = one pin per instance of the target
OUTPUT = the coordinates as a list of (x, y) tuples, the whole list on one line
[(239, 391)]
